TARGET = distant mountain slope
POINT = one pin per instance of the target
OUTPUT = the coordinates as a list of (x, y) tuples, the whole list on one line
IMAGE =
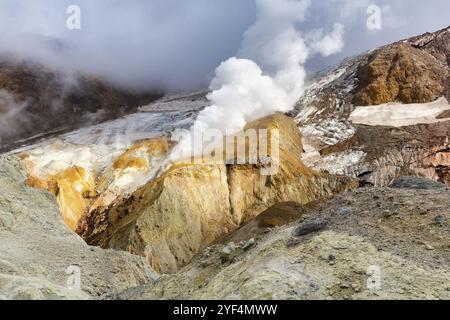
[(399, 231), (383, 113), (36, 100)]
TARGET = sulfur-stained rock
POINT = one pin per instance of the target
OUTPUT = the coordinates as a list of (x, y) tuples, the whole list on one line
[(73, 175), (335, 263), (189, 206)]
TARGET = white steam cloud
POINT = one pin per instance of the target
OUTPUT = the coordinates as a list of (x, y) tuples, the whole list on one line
[(10, 121), (268, 74)]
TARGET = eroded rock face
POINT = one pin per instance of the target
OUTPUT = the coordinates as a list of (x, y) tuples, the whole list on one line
[(171, 218), (390, 152), (382, 114)]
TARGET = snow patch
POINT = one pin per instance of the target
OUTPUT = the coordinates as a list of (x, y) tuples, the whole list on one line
[(399, 115)]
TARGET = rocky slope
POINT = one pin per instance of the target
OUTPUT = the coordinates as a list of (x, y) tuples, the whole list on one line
[(36, 101), (331, 252), (382, 114), (171, 218), (37, 248)]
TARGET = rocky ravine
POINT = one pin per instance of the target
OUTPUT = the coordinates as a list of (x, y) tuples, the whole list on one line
[(227, 231)]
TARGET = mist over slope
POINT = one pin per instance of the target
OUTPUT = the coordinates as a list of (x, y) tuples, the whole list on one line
[(36, 100), (141, 47)]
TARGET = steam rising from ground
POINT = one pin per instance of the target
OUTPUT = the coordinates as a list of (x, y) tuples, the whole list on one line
[(268, 74), (10, 121)]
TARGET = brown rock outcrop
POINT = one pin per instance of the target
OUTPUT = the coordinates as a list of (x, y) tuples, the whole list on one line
[(401, 73)]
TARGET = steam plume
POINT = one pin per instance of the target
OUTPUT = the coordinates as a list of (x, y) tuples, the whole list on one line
[(268, 74)]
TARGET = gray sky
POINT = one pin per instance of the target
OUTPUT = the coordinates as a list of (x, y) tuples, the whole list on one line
[(177, 44)]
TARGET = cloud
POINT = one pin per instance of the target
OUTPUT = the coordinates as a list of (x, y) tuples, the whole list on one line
[(177, 44), (330, 43), (170, 43), (401, 19)]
